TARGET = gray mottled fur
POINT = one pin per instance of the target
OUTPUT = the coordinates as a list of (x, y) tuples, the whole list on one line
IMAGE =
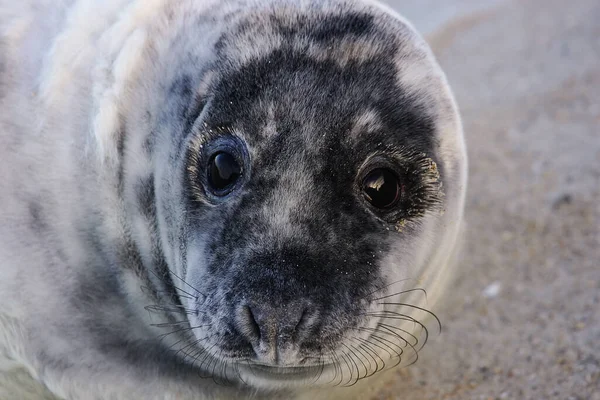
[(122, 278)]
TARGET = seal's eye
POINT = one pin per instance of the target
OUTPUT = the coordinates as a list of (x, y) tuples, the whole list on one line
[(223, 172), (381, 188)]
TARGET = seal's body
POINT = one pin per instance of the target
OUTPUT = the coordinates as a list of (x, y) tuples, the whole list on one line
[(205, 199)]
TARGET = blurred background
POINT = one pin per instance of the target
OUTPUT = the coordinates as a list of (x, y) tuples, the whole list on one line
[(523, 321)]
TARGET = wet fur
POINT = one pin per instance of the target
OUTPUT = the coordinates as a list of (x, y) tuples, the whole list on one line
[(121, 277)]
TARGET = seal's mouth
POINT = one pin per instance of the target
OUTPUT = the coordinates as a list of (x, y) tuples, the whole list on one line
[(275, 370), (284, 374)]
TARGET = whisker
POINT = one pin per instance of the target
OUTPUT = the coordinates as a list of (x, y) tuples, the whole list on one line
[(169, 324), (176, 287), (354, 362), (390, 328), (190, 356), (398, 355), (407, 344), (250, 365), (184, 348), (399, 316), (187, 328), (194, 343), (403, 292), (184, 281), (370, 353), (350, 369), (224, 369), (229, 366), (415, 360), (364, 357), (174, 344), (239, 374), (418, 308), (322, 367), (387, 343), (194, 358), (147, 290), (392, 334), (173, 309), (339, 367), (206, 355), (217, 363), (386, 286), (382, 348), (334, 369)]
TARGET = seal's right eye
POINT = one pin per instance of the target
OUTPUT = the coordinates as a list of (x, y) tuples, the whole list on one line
[(223, 173)]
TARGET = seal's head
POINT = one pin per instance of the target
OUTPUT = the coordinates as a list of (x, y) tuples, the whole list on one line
[(308, 176)]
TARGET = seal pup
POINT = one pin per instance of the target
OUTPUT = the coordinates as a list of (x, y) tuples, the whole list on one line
[(219, 199)]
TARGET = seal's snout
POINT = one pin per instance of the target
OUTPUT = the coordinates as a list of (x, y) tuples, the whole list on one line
[(276, 331)]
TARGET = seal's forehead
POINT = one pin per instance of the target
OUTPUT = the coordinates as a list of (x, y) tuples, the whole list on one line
[(321, 34), (342, 30), (346, 32), (355, 36)]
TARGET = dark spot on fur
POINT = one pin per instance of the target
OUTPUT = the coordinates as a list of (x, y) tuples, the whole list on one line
[(121, 137), (148, 145), (337, 26), (130, 258), (145, 197), (191, 102), (54, 362), (4, 74), (150, 139), (38, 220)]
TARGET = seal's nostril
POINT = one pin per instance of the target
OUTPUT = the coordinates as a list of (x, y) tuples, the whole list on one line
[(302, 322), (305, 324), (253, 329)]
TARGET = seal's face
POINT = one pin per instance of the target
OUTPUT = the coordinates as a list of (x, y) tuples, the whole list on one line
[(289, 201), (309, 176)]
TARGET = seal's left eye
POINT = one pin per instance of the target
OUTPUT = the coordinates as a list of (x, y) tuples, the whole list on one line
[(223, 172), (381, 188)]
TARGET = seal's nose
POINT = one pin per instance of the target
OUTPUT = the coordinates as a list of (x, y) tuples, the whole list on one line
[(275, 332)]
